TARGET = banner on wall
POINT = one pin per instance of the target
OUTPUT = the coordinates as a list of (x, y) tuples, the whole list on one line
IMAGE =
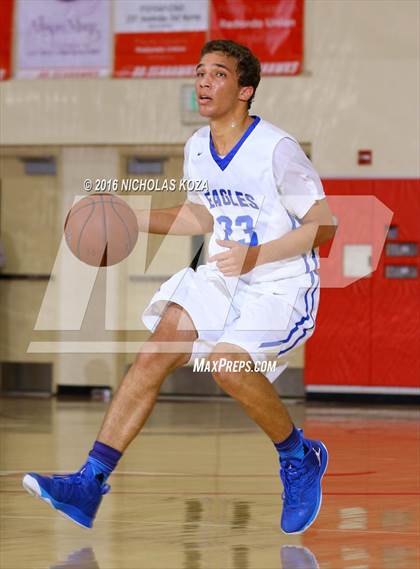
[(6, 25), (159, 38), (272, 29), (63, 38)]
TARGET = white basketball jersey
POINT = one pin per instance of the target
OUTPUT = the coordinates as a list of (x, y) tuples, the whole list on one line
[(243, 198)]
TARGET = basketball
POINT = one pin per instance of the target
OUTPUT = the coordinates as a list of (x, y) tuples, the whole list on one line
[(101, 230)]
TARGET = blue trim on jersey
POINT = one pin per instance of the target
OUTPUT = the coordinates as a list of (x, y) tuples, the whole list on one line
[(304, 329), (298, 324), (223, 163), (304, 257), (292, 219), (315, 260)]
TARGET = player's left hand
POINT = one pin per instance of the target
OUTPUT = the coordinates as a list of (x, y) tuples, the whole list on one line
[(238, 260)]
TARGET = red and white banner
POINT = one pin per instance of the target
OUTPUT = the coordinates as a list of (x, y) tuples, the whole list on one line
[(159, 38), (63, 38), (272, 29), (6, 24)]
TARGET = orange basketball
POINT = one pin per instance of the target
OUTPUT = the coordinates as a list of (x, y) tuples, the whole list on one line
[(101, 230)]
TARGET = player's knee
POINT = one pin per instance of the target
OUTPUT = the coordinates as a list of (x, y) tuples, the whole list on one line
[(170, 345), (176, 324), (148, 356), (155, 356), (228, 371)]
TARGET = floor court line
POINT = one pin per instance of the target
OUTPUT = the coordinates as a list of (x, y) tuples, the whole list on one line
[(193, 493), (138, 522), (17, 473), (206, 524)]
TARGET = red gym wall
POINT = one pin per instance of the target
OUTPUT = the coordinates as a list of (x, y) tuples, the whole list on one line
[(368, 333)]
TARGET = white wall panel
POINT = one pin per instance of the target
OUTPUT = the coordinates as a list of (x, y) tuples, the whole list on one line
[(360, 90)]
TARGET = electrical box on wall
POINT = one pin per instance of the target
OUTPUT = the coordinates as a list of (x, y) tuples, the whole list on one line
[(364, 157)]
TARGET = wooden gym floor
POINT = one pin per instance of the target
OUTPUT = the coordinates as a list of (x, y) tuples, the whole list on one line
[(199, 490)]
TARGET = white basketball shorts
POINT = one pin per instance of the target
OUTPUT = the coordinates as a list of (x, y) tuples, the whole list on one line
[(267, 319)]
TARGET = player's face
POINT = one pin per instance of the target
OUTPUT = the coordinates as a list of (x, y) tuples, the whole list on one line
[(216, 85)]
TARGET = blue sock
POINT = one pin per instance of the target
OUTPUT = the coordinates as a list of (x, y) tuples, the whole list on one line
[(292, 447), (103, 459)]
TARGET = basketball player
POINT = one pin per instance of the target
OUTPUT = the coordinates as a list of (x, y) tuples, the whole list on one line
[(255, 300)]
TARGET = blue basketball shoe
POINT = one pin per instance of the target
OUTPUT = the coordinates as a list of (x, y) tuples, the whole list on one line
[(77, 496), (302, 495)]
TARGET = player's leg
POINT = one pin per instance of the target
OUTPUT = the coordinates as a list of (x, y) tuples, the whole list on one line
[(78, 495), (136, 396), (253, 392), (303, 461)]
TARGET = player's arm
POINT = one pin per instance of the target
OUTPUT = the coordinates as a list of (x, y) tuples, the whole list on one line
[(317, 228), (321, 219), (186, 219)]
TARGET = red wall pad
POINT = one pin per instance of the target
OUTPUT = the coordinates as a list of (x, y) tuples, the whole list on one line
[(368, 332)]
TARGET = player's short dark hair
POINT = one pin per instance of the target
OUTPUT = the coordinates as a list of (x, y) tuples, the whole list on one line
[(247, 65)]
